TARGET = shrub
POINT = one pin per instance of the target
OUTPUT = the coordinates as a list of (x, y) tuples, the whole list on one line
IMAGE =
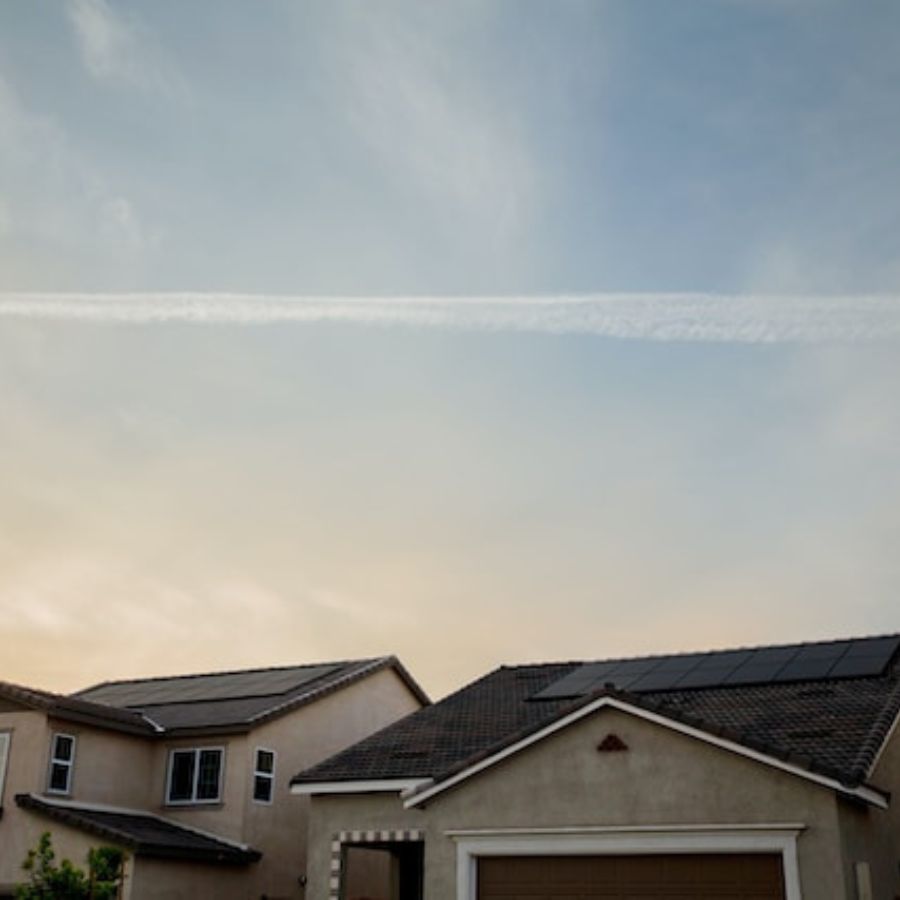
[(47, 881)]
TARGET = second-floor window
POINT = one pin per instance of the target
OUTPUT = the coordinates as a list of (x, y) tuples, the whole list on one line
[(62, 761), (4, 758), (195, 775), (264, 775)]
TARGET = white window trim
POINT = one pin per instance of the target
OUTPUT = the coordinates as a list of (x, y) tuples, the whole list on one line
[(5, 745), (68, 763), (473, 845), (194, 801), (258, 774)]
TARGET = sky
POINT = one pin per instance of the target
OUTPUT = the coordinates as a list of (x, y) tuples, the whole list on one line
[(477, 333)]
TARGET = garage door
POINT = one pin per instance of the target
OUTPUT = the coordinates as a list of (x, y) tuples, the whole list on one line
[(676, 877)]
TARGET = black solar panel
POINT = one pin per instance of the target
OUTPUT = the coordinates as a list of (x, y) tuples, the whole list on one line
[(765, 665), (223, 686), (883, 648), (754, 672), (801, 669), (857, 667)]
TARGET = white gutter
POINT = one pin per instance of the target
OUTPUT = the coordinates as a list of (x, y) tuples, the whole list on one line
[(401, 786)]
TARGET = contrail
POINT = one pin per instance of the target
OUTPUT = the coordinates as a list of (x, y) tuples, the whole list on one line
[(740, 318)]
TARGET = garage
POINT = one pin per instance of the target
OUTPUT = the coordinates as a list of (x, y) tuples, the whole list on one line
[(723, 876)]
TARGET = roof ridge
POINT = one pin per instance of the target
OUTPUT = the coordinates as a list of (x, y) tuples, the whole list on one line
[(189, 675)]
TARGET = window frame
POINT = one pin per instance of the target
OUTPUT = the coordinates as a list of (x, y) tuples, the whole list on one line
[(5, 750), (257, 773), (193, 800), (67, 764)]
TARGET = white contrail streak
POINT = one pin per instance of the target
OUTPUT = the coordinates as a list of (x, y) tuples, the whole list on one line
[(723, 318)]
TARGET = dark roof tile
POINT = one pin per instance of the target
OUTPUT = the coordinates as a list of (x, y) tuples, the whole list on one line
[(835, 726), (142, 833)]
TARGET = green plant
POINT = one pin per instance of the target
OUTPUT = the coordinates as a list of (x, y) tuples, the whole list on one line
[(47, 881)]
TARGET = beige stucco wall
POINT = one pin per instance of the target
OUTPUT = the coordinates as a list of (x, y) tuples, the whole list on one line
[(312, 734), (154, 879), (665, 778), (299, 739), (110, 767), (120, 770), (26, 772), (873, 836), (27, 761)]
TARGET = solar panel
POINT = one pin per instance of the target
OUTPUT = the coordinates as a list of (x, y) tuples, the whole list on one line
[(774, 654), (833, 651), (884, 648), (654, 681), (225, 686), (633, 667), (703, 676), (765, 665), (680, 663), (803, 669), (857, 667), (576, 683), (754, 672)]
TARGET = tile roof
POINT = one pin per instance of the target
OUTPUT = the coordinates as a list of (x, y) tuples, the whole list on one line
[(239, 700), (78, 709), (144, 834), (833, 726)]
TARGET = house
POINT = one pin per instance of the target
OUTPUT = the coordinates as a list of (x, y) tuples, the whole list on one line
[(770, 773), (188, 774)]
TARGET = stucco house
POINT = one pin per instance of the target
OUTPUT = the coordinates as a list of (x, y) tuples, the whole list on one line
[(770, 773), (188, 774)]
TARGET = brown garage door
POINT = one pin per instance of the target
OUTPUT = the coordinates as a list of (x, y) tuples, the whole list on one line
[(723, 876)]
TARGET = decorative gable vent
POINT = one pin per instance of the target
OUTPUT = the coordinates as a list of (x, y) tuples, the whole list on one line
[(612, 743)]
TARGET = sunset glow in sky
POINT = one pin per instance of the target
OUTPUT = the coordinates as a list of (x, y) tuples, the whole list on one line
[(471, 332)]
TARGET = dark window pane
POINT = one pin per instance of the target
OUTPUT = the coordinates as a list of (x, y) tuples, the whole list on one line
[(59, 778), (265, 761), (181, 783), (208, 782), (63, 748), (262, 788)]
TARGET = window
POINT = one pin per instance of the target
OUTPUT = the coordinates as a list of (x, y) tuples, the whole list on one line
[(264, 775), (4, 756), (195, 775), (62, 761)]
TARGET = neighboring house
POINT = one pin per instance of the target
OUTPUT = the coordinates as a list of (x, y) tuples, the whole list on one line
[(770, 773), (188, 774)]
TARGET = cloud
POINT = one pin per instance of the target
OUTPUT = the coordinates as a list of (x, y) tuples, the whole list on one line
[(51, 193), (116, 48), (747, 319), (428, 121)]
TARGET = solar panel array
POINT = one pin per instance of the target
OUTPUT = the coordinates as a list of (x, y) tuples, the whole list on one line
[(764, 665), (193, 688)]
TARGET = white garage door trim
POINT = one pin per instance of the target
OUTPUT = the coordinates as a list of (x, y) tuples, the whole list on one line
[(470, 845)]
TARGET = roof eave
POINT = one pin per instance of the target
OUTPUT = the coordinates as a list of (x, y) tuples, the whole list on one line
[(568, 716)]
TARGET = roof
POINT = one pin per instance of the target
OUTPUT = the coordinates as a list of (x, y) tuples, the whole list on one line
[(834, 726), (235, 700), (77, 709), (144, 834)]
